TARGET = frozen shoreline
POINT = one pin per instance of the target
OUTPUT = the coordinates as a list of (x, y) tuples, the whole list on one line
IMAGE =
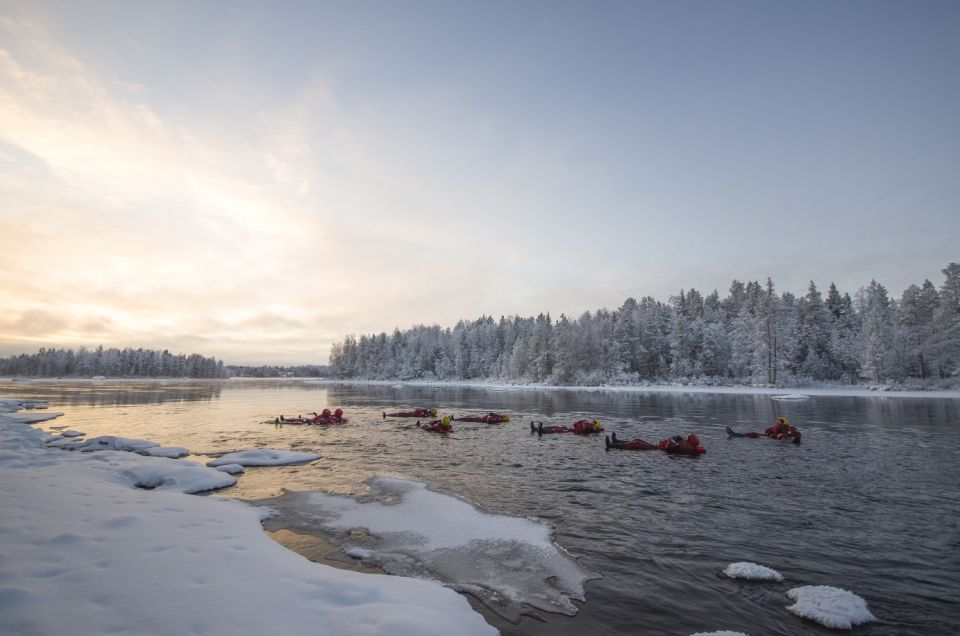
[(113, 558), (786, 393)]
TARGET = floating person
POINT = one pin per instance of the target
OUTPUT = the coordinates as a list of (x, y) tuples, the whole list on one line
[(442, 425), (413, 413), (580, 427), (326, 417), (489, 418), (676, 445), (781, 430)]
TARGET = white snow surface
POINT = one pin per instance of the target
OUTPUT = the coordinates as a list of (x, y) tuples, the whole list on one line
[(111, 442), (830, 606), (411, 530), (752, 571), (231, 469), (263, 457), (172, 452), (83, 551)]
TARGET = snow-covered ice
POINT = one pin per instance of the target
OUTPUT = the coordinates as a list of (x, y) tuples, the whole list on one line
[(790, 396), (172, 452), (111, 442), (752, 571), (411, 530), (85, 551), (829, 606), (72, 433), (263, 457), (231, 469)]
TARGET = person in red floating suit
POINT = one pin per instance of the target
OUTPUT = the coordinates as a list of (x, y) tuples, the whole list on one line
[(781, 430)]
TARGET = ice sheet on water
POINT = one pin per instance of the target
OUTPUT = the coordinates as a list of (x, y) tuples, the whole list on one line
[(829, 606), (171, 452), (410, 530), (263, 457), (752, 571), (791, 396)]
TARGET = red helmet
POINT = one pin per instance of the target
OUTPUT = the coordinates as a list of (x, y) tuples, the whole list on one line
[(338, 412), (693, 439), (326, 413)]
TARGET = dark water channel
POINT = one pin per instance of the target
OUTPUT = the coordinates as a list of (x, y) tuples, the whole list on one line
[(870, 502)]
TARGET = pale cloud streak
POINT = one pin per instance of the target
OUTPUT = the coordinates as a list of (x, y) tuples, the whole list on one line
[(166, 233)]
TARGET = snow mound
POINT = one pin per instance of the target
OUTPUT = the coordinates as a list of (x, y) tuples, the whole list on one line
[(407, 529), (752, 571), (790, 396), (161, 473), (72, 433), (829, 606), (231, 469), (171, 452), (263, 457), (111, 442)]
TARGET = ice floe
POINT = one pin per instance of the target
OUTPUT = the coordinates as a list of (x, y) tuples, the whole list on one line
[(172, 452), (790, 396), (111, 442), (407, 529), (830, 606), (752, 571), (231, 469), (263, 457), (720, 633)]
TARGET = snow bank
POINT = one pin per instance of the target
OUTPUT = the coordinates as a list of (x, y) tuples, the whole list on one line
[(829, 606), (263, 457), (111, 442), (410, 530), (752, 571), (84, 551)]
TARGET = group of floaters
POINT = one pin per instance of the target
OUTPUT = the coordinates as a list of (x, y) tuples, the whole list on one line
[(445, 424), (690, 444), (324, 417)]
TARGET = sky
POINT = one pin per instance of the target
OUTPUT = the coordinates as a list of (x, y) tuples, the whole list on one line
[(255, 181)]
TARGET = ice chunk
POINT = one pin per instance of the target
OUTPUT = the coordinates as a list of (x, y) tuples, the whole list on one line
[(721, 633), (263, 457), (790, 396), (829, 606), (407, 529), (752, 571), (111, 442), (171, 452), (170, 474), (231, 469)]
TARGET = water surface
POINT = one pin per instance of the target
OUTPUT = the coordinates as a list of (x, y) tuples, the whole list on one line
[(869, 502)]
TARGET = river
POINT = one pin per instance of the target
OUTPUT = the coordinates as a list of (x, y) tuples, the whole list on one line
[(869, 502)]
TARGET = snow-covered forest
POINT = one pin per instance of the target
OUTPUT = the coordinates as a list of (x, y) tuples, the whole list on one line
[(753, 335), (113, 363)]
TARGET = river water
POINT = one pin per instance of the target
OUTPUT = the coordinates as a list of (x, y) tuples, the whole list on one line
[(870, 502)]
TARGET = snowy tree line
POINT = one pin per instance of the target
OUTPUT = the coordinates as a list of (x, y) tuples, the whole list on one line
[(271, 371), (114, 363), (754, 335)]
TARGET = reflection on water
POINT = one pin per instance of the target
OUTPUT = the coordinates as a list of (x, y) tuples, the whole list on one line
[(869, 502)]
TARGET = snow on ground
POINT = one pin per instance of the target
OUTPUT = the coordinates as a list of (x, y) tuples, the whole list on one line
[(829, 606), (411, 530), (263, 457), (84, 551), (752, 571)]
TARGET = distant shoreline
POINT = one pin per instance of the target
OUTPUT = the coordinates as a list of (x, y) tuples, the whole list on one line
[(792, 393)]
